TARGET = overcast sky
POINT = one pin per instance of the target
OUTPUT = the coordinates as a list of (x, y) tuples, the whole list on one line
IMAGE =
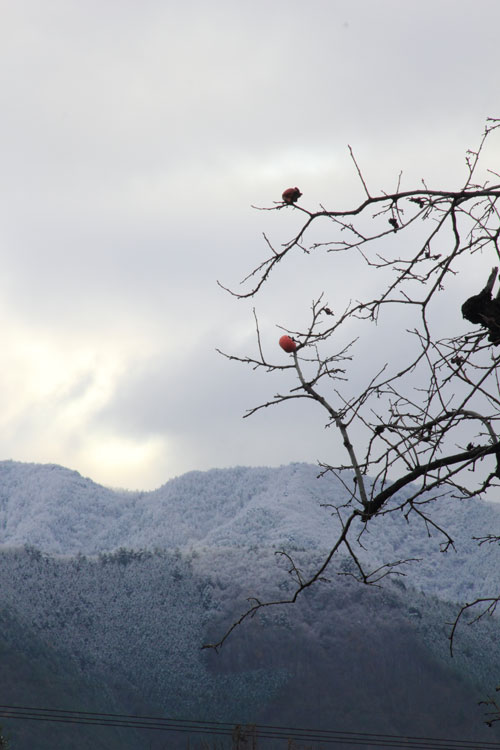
[(135, 136)]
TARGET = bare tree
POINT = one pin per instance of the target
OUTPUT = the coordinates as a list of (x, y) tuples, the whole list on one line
[(426, 416)]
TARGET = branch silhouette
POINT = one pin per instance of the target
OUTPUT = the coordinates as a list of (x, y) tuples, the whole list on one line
[(426, 419)]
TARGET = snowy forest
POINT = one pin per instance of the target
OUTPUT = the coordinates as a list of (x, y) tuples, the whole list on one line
[(88, 602)]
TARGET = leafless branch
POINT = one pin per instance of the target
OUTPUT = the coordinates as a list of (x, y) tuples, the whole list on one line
[(427, 419)]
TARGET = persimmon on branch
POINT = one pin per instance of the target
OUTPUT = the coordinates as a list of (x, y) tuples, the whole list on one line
[(427, 419)]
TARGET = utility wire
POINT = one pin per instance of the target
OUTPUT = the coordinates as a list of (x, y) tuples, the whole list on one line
[(261, 731)]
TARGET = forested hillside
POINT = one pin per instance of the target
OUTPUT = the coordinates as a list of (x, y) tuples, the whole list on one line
[(58, 511), (119, 626)]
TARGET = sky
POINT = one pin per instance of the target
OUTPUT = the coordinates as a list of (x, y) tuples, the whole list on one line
[(135, 138)]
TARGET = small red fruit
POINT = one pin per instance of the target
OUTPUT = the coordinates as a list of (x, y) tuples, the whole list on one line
[(291, 195), (287, 344)]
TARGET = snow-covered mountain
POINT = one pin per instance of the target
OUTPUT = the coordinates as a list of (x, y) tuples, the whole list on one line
[(60, 512), (123, 588)]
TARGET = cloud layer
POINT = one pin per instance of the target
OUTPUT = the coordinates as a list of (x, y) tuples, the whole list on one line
[(135, 138)]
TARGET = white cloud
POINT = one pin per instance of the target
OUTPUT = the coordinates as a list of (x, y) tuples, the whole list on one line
[(134, 138)]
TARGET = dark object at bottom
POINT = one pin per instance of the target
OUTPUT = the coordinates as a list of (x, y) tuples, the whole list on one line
[(482, 310)]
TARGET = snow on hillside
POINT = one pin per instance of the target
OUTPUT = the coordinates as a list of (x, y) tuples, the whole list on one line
[(60, 512)]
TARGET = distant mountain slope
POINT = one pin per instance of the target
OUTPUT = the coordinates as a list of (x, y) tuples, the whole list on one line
[(35, 673), (126, 587), (345, 657), (58, 511)]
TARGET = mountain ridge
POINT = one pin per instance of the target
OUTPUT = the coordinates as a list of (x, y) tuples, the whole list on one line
[(60, 512), (128, 586)]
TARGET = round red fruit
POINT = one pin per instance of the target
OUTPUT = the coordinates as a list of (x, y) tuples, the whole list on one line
[(288, 344)]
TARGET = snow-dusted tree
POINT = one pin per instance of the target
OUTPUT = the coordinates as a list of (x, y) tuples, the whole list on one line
[(406, 371)]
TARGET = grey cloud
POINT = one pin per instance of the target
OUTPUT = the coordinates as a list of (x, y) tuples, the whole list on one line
[(134, 143)]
